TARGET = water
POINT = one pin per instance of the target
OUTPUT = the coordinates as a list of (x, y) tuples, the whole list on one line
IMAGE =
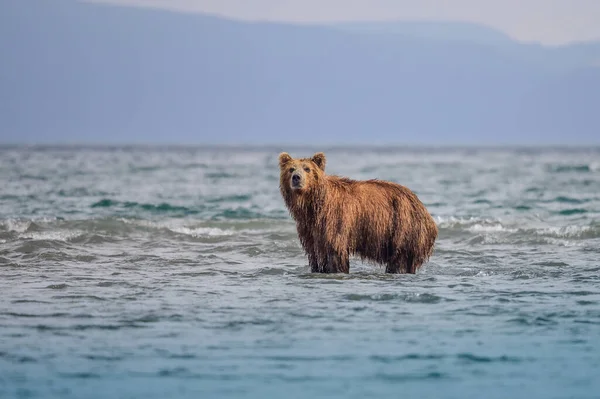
[(176, 272)]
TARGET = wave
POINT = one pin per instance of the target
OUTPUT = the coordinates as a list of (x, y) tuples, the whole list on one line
[(201, 231), (58, 235), (569, 200), (212, 208), (450, 226), (230, 198), (570, 168), (108, 229), (406, 297), (15, 225), (160, 208), (572, 211), (99, 230), (473, 224), (579, 232)]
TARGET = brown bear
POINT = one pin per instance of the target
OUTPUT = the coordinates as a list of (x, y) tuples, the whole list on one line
[(337, 217)]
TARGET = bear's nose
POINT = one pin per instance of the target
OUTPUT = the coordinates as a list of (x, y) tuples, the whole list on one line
[(295, 179)]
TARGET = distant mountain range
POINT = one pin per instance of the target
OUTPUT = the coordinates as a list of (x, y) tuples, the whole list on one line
[(90, 73), (434, 30)]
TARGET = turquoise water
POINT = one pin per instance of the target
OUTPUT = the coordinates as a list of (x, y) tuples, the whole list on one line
[(153, 272)]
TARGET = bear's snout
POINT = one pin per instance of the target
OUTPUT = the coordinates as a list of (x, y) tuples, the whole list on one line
[(296, 179)]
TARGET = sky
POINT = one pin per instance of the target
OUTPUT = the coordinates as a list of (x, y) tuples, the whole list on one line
[(551, 22)]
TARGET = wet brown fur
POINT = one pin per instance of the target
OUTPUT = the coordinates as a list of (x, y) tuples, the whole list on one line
[(337, 217)]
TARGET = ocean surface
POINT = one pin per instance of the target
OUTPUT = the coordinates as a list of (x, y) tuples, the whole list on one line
[(174, 272)]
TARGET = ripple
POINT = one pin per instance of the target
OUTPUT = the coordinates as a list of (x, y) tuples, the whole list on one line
[(79, 297), (174, 372), (87, 327), (309, 359), (273, 271), (80, 375), (30, 315), (523, 208), (533, 321), (569, 200), (572, 211), (587, 303), (411, 298), (202, 231), (239, 324), (182, 356), (58, 286), (162, 208), (471, 358), (231, 198), (150, 318), (551, 264), (396, 378), (387, 359), (579, 168), (238, 213), (105, 358)]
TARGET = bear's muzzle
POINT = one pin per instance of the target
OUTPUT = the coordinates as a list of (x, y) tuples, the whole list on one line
[(296, 181)]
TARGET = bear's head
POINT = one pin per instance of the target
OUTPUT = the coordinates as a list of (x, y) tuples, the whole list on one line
[(299, 175)]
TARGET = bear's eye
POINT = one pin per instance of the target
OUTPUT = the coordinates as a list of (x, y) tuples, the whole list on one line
[(307, 169), (292, 169)]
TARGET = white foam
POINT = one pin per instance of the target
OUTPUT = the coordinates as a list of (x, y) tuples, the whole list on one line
[(492, 228), (201, 231), (452, 221), (51, 235), (180, 228), (18, 226), (568, 231), (144, 223), (563, 243)]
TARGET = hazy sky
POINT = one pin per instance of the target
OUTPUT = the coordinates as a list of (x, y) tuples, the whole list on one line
[(546, 21)]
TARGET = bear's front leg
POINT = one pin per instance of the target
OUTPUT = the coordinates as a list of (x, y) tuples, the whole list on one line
[(337, 262), (313, 262), (308, 244)]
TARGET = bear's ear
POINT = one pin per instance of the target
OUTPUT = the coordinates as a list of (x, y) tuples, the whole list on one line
[(319, 160), (284, 158)]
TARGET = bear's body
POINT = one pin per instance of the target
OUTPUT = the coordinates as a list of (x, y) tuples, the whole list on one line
[(338, 217)]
